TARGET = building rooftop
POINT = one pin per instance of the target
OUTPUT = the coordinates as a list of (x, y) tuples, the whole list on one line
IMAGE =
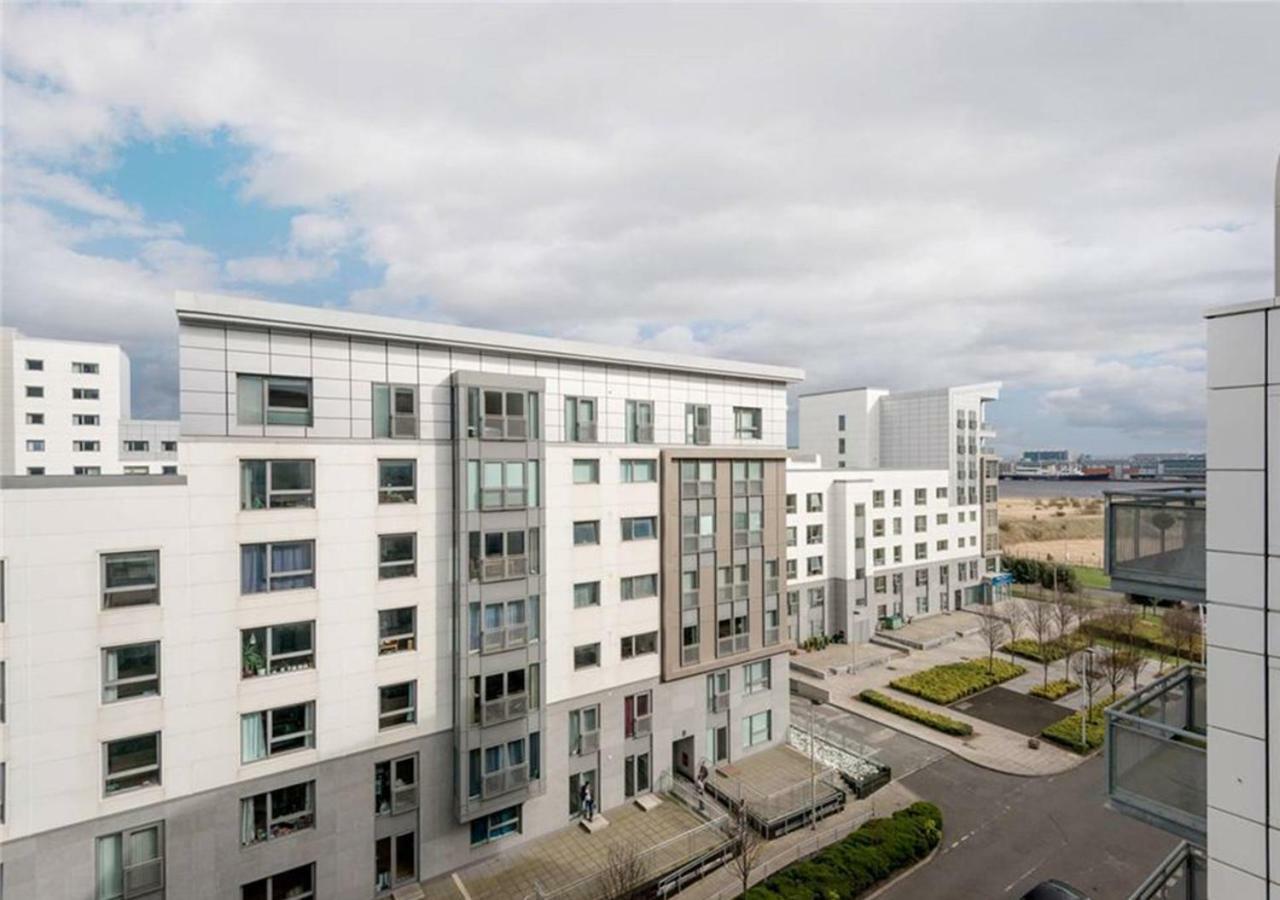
[(223, 309)]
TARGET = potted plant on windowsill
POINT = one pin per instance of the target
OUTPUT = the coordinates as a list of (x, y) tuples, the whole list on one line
[(252, 663)]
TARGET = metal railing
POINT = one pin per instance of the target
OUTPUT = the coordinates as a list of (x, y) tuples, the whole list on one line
[(1181, 876)]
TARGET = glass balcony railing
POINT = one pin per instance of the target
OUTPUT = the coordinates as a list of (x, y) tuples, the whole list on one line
[(1182, 876), (1155, 542), (1156, 748)]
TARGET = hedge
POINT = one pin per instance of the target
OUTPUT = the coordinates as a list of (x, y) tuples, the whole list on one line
[(948, 683), (1067, 731), (1055, 690), (915, 713), (1035, 571), (1054, 650), (1142, 641), (875, 852)]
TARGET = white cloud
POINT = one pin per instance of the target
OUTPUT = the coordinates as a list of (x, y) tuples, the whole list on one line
[(900, 196)]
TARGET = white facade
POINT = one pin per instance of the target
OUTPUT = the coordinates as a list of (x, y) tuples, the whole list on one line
[(65, 409)]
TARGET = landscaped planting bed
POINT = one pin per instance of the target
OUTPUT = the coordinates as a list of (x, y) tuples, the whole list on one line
[(1067, 731), (1148, 635), (915, 713), (1051, 652), (948, 683), (1054, 690), (848, 868)]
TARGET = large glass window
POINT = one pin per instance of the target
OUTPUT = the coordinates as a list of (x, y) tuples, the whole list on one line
[(278, 813), (637, 712), (130, 579), (132, 762), (278, 566), (130, 864), (586, 593), (295, 884), (275, 649), (272, 400), (395, 860), (586, 471), (580, 419), (639, 528), (503, 555), (395, 785), (397, 705), (757, 729), (748, 422), (397, 629), (271, 732), (498, 484), (586, 532), (584, 730), (635, 587), (502, 415), (697, 423), (643, 644), (397, 555), (757, 676), (639, 421), (639, 470), (277, 483), (397, 481), (495, 826), (130, 671), (395, 411), (586, 656)]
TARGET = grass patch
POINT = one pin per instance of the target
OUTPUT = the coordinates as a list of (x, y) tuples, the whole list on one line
[(1067, 731), (1052, 651), (1090, 577), (850, 867), (1148, 634), (949, 683), (1055, 690), (915, 713)]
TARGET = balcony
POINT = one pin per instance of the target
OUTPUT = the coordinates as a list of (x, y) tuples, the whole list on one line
[(1155, 542), (1156, 749), (1181, 876)]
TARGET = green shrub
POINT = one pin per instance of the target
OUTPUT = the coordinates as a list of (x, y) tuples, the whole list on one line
[(1055, 690), (1052, 651), (949, 683), (1035, 571), (1147, 636), (1067, 731), (916, 714), (872, 854)]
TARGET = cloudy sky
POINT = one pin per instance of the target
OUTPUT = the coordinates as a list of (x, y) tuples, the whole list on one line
[(901, 196)]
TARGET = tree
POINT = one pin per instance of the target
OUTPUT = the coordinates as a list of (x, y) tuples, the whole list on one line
[(992, 628), (624, 872), (1090, 676), (1016, 619), (1066, 614), (1040, 623), (1182, 626), (1137, 662), (748, 841), (1114, 665)]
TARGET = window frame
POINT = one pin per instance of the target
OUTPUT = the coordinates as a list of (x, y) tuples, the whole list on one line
[(627, 470), (270, 492), (125, 774), (109, 684), (269, 884), (124, 844), (272, 820), (107, 590), (753, 429), (389, 494), (389, 569), (629, 528), (579, 429), (396, 803), (627, 586), (307, 734), (595, 591), (398, 641), (635, 428), (285, 415), (594, 647), (408, 715), (594, 525), (398, 425), (269, 657), (753, 681), (270, 575), (629, 645), (697, 434)]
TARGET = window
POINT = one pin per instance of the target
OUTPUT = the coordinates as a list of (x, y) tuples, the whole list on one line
[(791, 503), (880, 584), (277, 483), (636, 587), (86, 446), (133, 446), (942, 518), (35, 446), (637, 712), (942, 545), (897, 497), (295, 884), (395, 411), (639, 421), (580, 419), (271, 732), (136, 470), (757, 729), (502, 625), (813, 502), (397, 629), (922, 550), (586, 656), (584, 730), (278, 813), (38, 419), (88, 419), (921, 496), (86, 470), (922, 577), (758, 676), (921, 523), (940, 493), (840, 422), (814, 565), (85, 368), (897, 525), (586, 533), (877, 556), (84, 394), (397, 481), (130, 579), (129, 671), (35, 470), (272, 400), (897, 553), (877, 499), (636, 774), (813, 534), (395, 860), (276, 649), (639, 528), (503, 555), (278, 566), (131, 763), (840, 445), (397, 705), (35, 390), (792, 568), (130, 864), (639, 644), (697, 423), (35, 365), (586, 593), (637, 470), (397, 555), (495, 826), (747, 422), (395, 785), (169, 446), (586, 471), (791, 536), (168, 470)]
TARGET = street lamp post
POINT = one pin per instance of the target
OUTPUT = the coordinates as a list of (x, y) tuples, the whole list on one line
[(813, 787), (1088, 689)]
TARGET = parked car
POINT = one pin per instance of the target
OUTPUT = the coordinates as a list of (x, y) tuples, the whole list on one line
[(1053, 889)]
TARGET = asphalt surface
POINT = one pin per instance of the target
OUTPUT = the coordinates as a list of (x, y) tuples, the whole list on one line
[(1012, 709)]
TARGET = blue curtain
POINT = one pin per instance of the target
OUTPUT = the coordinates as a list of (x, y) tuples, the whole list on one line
[(253, 569)]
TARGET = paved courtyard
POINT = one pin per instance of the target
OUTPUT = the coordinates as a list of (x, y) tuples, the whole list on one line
[(775, 782), (1013, 710)]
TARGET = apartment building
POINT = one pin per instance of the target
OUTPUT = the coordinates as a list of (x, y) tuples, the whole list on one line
[(415, 586), (65, 410)]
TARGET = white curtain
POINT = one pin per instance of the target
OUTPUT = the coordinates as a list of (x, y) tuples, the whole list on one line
[(253, 737), (247, 834), (110, 870), (113, 672)]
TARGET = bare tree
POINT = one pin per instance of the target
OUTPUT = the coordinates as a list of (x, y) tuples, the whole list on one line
[(1040, 624), (993, 629), (1114, 664), (1124, 621), (1016, 619), (749, 843), (625, 870), (1066, 614), (1090, 677), (1137, 662), (1182, 626)]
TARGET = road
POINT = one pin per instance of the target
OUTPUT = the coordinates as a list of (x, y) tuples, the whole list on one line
[(1002, 834)]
